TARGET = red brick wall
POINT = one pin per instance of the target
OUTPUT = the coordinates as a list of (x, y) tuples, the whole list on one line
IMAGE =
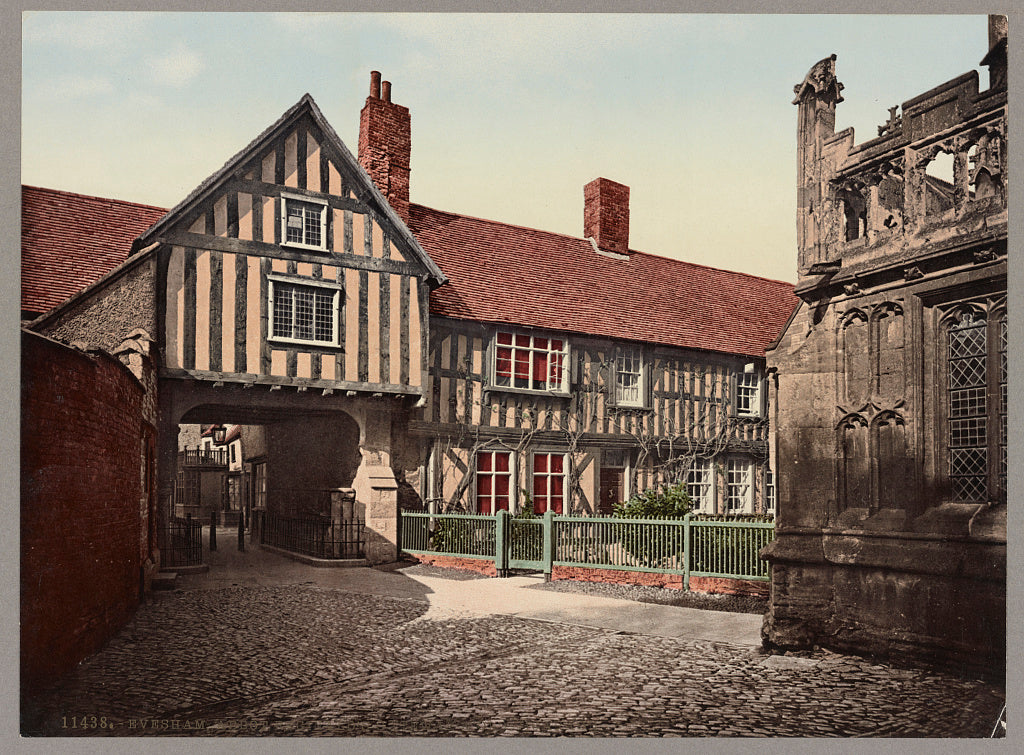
[(81, 436), (479, 565), (668, 581), (385, 146)]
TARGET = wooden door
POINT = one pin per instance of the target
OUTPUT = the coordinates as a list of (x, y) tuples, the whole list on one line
[(612, 479)]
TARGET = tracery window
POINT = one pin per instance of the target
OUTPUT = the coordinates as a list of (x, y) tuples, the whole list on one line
[(976, 424)]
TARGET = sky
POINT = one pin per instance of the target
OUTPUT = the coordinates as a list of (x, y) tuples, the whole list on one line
[(511, 114)]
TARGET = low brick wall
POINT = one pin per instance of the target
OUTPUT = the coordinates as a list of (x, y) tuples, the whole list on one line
[(478, 565), (729, 586), (668, 581)]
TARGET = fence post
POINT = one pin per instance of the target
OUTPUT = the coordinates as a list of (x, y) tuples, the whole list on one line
[(549, 543), (687, 552), (501, 534), (213, 531)]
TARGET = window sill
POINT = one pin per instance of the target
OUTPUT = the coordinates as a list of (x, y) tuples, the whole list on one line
[(527, 391), (301, 342), (307, 247)]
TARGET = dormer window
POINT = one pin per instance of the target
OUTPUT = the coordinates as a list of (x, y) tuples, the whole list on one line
[(303, 222), (530, 362)]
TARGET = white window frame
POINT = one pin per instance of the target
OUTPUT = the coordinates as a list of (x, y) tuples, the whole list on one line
[(749, 384), (701, 475), (275, 282), (564, 474), (293, 199), (532, 350), (739, 486), (493, 473), (771, 492), (630, 362)]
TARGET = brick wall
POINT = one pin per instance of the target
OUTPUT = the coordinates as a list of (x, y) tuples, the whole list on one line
[(81, 484), (479, 565), (669, 581)]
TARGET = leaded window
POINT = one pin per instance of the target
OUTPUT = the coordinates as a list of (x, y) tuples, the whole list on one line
[(977, 405), (529, 361), (968, 451), (304, 313), (304, 223), (769, 492)]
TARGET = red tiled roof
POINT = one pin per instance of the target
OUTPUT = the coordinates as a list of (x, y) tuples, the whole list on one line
[(70, 241), (498, 273), (508, 274)]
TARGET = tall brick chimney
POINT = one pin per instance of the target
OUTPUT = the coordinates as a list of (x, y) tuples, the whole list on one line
[(606, 215), (385, 142)]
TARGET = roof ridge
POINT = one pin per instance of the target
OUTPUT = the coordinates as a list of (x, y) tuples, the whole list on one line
[(65, 192), (583, 240)]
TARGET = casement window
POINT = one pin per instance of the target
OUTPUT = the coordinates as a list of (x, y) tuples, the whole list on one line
[(548, 482), (303, 222), (530, 362), (304, 313), (493, 481), (769, 491), (699, 486), (739, 490), (976, 409), (630, 378), (748, 392)]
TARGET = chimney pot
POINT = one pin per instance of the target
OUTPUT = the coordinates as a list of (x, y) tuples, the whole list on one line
[(374, 85), (386, 95)]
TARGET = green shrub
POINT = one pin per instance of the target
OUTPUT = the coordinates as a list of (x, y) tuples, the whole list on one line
[(659, 546), (668, 502)]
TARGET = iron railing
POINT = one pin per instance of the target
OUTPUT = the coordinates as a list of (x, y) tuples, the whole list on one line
[(317, 536), (693, 546), (203, 457), (181, 542)]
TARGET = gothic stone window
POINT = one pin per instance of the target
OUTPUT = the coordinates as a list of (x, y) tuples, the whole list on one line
[(976, 423)]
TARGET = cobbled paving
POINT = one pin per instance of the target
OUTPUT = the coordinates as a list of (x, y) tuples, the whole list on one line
[(308, 661)]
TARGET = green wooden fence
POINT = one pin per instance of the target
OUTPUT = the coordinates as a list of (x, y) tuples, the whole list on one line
[(693, 546)]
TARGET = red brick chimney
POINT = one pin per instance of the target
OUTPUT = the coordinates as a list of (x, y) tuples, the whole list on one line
[(606, 215), (385, 141)]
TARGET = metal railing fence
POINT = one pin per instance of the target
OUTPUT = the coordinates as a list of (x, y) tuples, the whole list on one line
[(693, 546), (181, 542), (321, 537)]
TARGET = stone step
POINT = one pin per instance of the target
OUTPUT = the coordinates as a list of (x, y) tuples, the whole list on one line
[(165, 580)]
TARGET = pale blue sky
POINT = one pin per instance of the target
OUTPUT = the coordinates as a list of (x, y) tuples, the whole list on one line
[(511, 114)]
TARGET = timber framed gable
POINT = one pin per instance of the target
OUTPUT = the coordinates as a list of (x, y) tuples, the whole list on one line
[(288, 266)]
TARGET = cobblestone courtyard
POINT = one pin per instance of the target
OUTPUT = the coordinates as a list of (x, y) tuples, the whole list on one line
[(301, 659)]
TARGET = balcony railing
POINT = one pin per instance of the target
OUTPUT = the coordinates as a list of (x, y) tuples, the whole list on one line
[(203, 457)]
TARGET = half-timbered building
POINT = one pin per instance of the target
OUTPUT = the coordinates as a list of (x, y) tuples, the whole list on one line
[(425, 358)]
